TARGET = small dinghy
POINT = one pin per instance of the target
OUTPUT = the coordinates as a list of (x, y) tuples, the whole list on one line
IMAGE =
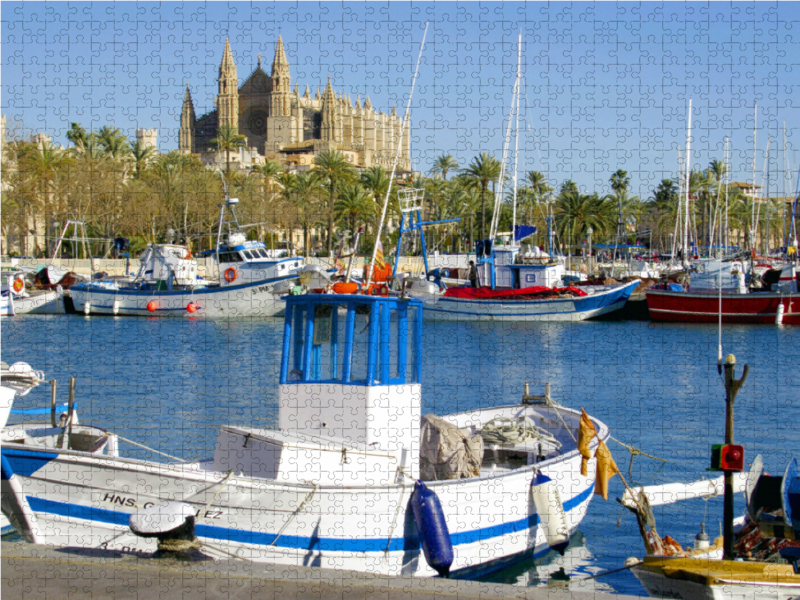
[(353, 477)]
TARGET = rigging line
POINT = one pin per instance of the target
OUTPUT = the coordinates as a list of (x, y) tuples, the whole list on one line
[(396, 158)]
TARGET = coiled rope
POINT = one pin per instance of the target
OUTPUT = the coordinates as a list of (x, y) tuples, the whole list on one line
[(504, 430)]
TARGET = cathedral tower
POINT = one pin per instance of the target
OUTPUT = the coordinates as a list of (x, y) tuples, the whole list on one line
[(281, 97), (228, 98), (186, 137)]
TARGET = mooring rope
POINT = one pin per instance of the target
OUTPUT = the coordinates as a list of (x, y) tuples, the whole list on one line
[(634, 453), (503, 430), (296, 511)]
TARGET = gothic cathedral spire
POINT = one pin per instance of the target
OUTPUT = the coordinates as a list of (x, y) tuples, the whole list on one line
[(281, 83), (228, 98), (186, 135)]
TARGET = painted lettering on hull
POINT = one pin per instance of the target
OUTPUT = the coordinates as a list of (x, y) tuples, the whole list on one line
[(130, 502)]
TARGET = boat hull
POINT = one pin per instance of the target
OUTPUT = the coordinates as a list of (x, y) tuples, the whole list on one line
[(80, 499), (703, 307), (566, 309), (256, 299), (46, 303), (697, 582)]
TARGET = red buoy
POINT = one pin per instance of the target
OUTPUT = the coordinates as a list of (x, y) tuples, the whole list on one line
[(191, 307), (151, 306)]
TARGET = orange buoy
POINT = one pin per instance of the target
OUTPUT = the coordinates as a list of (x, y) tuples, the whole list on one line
[(230, 274), (18, 285), (345, 287), (152, 306), (191, 307)]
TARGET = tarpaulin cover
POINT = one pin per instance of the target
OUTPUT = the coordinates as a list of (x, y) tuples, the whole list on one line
[(538, 291), (446, 453)]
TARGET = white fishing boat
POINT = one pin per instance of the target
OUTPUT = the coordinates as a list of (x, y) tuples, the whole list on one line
[(352, 477), (16, 381), (250, 282), (21, 299)]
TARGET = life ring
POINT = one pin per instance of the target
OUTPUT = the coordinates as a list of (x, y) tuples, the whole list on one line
[(230, 274), (18, 285)]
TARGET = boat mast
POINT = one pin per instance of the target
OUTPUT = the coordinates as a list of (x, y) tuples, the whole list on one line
[(688, 174), (784, 239), (767, 208), (753, 202), (516, 142), (727, 179), (498, 196), (394, 164)]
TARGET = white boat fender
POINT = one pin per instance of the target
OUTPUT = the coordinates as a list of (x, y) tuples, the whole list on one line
[(172, 523), (779, 314), (552, 518), (432, 528)]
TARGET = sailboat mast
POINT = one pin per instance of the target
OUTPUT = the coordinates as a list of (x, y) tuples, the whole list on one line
[(688, 173), (753, 203), (516, 142), (498, 197), (767, 207), (727, 179)]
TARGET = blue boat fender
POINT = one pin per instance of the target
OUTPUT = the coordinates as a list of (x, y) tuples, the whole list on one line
[(432, 527)]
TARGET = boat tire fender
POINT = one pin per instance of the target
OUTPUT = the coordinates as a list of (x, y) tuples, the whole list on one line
[(432, 527), (230, 274)]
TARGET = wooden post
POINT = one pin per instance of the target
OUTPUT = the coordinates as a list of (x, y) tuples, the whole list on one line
[(732, 386)]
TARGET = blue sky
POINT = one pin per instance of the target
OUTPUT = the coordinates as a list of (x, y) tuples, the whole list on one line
[(606, 85)]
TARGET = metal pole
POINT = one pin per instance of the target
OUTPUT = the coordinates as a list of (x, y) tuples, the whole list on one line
[(732, 386)]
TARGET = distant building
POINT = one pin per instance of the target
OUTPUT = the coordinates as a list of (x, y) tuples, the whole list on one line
[(148, 138), (282, 125)]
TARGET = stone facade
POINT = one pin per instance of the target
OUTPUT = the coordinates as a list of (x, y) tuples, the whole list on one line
[(282, 125)]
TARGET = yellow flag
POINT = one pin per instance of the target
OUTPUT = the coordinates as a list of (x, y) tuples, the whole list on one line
[(585, 435), (606, 469), (379, 262)]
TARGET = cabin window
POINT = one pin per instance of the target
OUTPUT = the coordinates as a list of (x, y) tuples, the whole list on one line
[(263, 253), (367, 344), (229, 257), (247, 255)]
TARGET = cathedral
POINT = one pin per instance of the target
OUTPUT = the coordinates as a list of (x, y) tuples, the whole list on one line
[(282, 125)]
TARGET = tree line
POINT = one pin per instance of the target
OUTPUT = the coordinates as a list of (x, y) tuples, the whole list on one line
[(121, 188)]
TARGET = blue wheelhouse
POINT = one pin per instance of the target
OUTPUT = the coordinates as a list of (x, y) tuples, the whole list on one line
[(349, 339)]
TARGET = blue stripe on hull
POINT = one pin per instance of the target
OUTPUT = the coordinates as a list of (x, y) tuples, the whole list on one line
[(257, 538)]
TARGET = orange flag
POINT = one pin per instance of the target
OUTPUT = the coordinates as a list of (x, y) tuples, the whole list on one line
[(606, 469), (585, 435)]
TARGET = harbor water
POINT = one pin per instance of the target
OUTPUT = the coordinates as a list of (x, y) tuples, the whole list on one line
[(169, 384)]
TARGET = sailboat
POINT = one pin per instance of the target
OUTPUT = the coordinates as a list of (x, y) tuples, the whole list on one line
[(513, 289)]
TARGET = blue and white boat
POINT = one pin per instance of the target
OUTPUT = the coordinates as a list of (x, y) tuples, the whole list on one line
[(514, 289), (249, 282), (340, 482)]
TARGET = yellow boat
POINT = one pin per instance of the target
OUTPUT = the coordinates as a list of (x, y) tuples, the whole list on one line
[(701, 579)]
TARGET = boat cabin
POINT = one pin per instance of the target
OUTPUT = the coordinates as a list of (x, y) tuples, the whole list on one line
[(349, 394), (245, 261), (168, 264), (512, 273)]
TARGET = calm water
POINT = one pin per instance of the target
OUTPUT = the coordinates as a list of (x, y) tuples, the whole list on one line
[(171, 383)]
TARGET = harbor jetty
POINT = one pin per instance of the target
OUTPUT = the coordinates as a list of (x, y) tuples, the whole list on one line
[(56, 574)]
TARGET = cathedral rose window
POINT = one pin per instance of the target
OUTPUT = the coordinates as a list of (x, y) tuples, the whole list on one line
[(257, 122)]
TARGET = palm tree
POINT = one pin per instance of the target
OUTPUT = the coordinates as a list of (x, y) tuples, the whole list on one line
[(482, 170), (335, 170), (228, 139), (141, 154), (576, 212), (77, 134), (113, 142), (44, 162), (620, 180), (444, 164), (302, 192), (353, 205)]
